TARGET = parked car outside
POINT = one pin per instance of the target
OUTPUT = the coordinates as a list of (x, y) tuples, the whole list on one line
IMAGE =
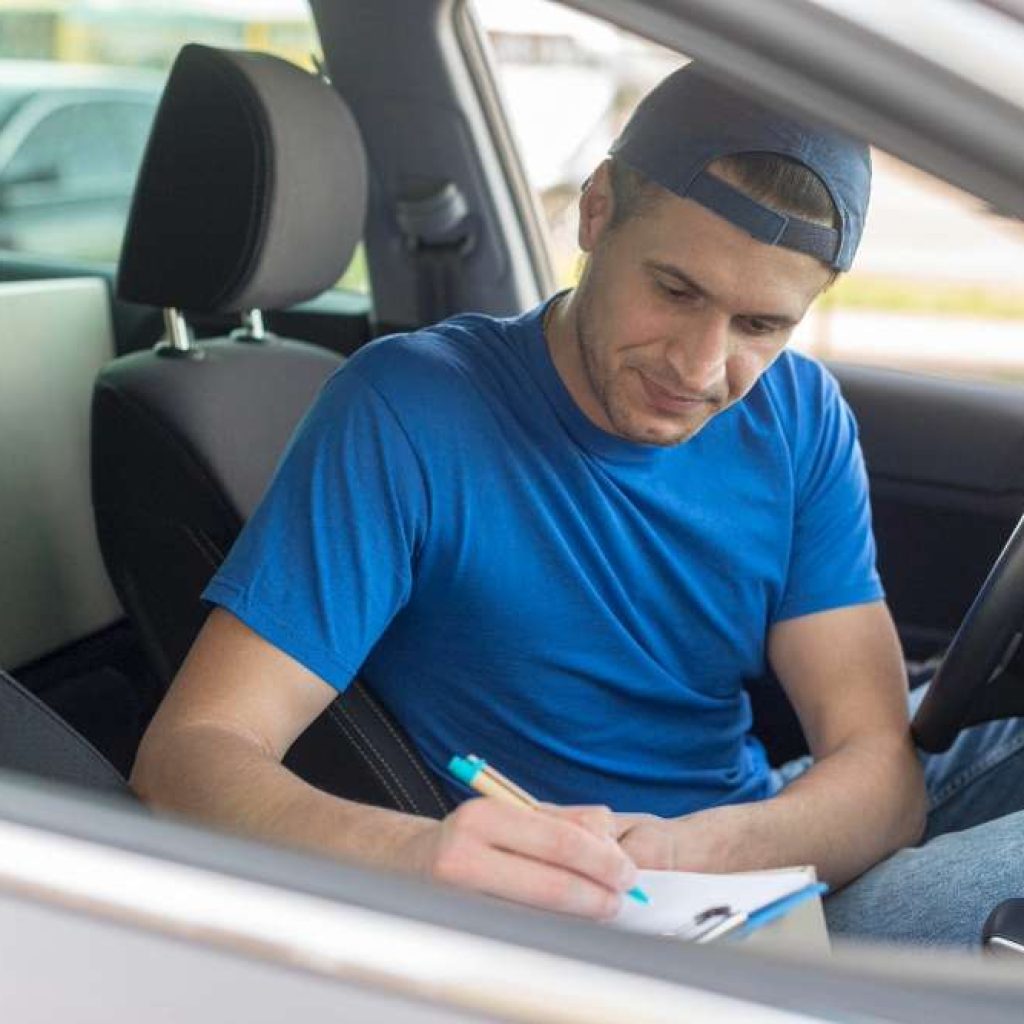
[(71, 139)]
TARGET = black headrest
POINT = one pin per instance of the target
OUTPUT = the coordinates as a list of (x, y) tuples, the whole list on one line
[(252, 191)]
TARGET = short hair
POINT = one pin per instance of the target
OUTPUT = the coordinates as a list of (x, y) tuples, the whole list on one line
[(778, 181)]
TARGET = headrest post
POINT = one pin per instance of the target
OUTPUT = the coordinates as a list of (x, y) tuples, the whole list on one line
[(252, 326), (178, 339)]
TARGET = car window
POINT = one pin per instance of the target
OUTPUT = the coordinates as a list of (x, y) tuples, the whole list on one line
[(79, 87), (78, 145), (938, 284)]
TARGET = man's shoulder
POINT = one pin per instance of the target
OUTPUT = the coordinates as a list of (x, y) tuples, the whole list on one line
[(429, 364), (800, 386), (798, 369)]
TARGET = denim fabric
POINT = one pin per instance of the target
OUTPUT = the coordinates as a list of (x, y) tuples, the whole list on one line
[(972, 854)]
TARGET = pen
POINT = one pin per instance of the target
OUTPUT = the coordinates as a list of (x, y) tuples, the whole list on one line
[(780, 907), (476, 773)]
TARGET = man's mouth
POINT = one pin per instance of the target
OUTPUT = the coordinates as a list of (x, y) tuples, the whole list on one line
[(671, 401)]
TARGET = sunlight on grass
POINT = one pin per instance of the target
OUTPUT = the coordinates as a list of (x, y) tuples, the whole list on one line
[(357, 277), (926, 297)]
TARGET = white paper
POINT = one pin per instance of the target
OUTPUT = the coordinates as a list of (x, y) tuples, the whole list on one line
[(677, 897)]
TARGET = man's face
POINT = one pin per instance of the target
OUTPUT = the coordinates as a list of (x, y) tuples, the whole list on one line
[(677, 315)]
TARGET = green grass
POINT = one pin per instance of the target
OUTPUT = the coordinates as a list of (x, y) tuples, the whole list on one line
[(356, 278), (925, 297)]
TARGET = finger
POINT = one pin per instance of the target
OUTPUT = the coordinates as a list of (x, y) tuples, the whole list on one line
[(595, 818), (551, 839), (626, 821), (535, 883)]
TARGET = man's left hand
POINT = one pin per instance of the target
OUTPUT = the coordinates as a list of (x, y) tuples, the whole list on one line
[(697, 842)]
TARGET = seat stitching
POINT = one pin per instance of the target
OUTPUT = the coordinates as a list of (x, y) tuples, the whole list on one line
[(369, 743), (395, 797), (413, 803), (411, 755), (206, 546)]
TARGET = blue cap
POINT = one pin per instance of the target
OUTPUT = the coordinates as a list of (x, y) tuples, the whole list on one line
[(689, 120)]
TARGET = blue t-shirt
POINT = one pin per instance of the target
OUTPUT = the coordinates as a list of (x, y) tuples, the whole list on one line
[(512, 581)]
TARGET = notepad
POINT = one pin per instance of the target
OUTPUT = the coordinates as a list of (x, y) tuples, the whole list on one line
[(679, 898)]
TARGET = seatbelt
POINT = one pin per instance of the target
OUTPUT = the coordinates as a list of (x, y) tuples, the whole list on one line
[(439, 232)]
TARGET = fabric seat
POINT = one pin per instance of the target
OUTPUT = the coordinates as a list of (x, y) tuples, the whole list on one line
[(251, 195), (36, 741)]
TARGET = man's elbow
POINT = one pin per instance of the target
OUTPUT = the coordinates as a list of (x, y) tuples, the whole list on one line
[(169, 764), (152, 761)]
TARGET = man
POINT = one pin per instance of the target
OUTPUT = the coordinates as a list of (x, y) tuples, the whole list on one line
[(564, 540)]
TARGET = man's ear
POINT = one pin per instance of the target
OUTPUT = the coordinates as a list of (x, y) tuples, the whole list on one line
[(596, 206)]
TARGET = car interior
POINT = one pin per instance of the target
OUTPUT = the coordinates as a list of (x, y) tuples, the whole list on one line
[(144, 407)]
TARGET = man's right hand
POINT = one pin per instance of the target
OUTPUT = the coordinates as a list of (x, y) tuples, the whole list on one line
[(562, 859), (214, 751)]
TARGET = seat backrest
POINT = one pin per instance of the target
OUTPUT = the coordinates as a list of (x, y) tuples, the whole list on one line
[(35, 740), (251, 195), (56, 335)]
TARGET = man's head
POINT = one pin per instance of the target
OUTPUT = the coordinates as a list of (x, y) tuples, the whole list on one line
[(708, 234)]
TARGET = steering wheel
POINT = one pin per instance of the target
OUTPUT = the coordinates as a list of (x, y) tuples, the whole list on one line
[(975, 682)]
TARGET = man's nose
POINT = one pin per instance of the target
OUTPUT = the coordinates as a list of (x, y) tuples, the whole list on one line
[(699, 353)]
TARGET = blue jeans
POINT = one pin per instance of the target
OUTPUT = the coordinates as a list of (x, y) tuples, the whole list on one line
[(972, 854)]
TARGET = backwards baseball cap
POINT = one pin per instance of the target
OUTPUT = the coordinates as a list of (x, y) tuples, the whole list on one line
[(689, 120)]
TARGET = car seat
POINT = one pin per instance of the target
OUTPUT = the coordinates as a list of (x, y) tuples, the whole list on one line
[(251, 195), (35, 740)]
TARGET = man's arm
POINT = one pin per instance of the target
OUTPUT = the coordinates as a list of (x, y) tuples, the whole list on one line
[(214, 751), (863, 798)]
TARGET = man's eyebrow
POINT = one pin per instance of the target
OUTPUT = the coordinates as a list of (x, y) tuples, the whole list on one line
[(672, 271)]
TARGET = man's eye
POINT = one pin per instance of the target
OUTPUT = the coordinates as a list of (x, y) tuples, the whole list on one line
[(758, 328), (675, 292)]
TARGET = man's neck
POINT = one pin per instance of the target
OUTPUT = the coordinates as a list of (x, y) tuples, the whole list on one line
[(563, 346)]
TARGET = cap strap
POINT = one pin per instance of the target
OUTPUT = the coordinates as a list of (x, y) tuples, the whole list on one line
[(762, 222)]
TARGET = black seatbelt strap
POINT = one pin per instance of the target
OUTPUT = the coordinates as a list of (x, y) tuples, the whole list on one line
[(439, 232)]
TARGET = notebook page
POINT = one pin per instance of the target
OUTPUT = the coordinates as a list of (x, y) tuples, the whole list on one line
[(677, 897)]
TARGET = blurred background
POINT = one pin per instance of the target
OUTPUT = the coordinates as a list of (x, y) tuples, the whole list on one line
[(939, 281)]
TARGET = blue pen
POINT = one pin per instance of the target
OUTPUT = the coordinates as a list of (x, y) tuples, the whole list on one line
[(780, 907), (475, 772)]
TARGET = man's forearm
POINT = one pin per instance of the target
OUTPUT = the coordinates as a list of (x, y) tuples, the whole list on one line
[(559, 859), (226, 779), (849, 811)]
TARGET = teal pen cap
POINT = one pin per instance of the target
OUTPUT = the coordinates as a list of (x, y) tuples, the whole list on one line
[(464, 770)]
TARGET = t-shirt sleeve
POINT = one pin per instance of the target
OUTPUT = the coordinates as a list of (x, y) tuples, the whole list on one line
[(832, 558), (326, 560)]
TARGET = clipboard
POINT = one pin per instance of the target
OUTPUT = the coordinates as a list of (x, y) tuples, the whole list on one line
[(777, 906)]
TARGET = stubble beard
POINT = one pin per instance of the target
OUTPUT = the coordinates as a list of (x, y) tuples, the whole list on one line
[(602, 385)]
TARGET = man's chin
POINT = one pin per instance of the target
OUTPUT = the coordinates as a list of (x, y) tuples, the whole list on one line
[(662, 434)]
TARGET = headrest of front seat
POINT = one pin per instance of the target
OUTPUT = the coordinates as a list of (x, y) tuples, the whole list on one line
[(252, 190)]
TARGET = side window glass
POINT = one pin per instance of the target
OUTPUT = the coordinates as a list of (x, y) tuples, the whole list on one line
[(938, 284), (79, 87)]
